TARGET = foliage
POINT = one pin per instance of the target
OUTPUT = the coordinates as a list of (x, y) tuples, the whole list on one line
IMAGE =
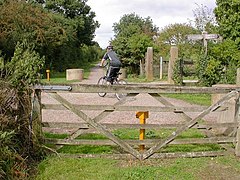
[(221, 64), (18, 146), (20, 21), (82, 15), (16, 149), (58, 34), (175, 34), (213, 72), (177, 74), (24, 68), (133, 35), (228, 18)]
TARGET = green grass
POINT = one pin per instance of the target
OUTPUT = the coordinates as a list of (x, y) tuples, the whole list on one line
[(200, 99), (56, 168), (60, 77), (132, 134)]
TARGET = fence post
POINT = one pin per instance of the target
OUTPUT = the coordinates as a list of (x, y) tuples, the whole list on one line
[(37, 116), (142, 115), (172, 60), (237, 117), (149, 64), (238, 77), (161, 68)]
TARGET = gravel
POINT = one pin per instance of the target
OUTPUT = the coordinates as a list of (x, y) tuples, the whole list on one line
[(110, 99)]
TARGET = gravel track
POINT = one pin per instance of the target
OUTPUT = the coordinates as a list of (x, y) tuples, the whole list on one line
[(110, 99)]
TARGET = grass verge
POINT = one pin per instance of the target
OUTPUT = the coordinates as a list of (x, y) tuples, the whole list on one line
[(57, 168)]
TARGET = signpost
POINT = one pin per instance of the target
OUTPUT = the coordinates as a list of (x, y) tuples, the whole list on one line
[(204, 36)]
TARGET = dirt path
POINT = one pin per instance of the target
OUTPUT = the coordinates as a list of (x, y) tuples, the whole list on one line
[(110, 99)]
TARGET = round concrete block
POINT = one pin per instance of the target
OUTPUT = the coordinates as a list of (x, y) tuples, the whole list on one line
[(124, 73), (74, 74)]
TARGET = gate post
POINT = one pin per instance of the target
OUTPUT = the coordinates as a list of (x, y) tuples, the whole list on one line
[(37, 116), (237, 117), (142, 115), (149, 64), (172, 60)]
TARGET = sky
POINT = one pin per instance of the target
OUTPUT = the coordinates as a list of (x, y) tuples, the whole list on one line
[(162, 13)]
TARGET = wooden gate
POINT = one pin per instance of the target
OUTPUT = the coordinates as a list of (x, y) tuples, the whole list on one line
[(153, 145)]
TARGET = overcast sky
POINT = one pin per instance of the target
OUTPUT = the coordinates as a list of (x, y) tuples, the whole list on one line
[(162, 13)]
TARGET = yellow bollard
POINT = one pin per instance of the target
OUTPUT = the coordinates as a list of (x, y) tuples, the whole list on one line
[(48, 74), (142, 115)]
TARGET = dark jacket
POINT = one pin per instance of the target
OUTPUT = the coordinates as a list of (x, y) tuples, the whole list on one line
[(114, 60)]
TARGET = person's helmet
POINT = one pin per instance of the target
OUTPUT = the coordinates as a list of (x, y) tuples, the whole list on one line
[(110, 47)]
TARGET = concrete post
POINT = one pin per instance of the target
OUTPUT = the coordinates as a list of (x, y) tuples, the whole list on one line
[(149, 64), (172, 60), (238, 77), (124, 73)]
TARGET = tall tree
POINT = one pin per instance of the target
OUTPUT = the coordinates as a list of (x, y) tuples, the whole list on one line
[(82, 15), (133, 35), (20, 21), (228, 17), (58, 33), (175, 34)]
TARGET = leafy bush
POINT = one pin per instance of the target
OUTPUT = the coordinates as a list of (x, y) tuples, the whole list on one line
[(220, 66), (17, 146), (24, 67), (177, 74)]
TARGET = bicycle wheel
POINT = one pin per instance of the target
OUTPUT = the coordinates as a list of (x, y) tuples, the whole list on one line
[(102, 81), (121, 95)]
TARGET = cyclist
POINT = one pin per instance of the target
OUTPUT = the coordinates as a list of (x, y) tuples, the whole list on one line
[(114, 63)]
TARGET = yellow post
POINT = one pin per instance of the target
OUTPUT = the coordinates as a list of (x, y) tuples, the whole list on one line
[(142, 115), (48, 74)]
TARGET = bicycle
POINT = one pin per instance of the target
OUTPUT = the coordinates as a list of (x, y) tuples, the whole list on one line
[(115, 81)]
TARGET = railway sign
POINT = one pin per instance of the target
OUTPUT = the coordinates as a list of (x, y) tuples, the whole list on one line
[(204, 36)]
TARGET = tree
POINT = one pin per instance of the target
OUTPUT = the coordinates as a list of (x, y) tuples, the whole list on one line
[(175, 34), (133, 35), (82, 15), (228, 17), (204, 19), (56, 33), (20, 21)]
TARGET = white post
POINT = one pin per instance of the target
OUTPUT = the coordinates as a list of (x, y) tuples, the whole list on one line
[(161, 67)]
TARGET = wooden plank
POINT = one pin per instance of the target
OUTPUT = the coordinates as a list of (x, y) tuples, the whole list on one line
[(97, 126), (135, 126), (189, 154), (88, 88), (65, 125), (188, 125), (148, 142), (155, 156), (161, 99), (128, 108), (237, 119)]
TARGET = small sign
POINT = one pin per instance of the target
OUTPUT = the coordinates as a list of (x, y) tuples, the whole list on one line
[(195, 37), (211, 36), (202, 36)]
